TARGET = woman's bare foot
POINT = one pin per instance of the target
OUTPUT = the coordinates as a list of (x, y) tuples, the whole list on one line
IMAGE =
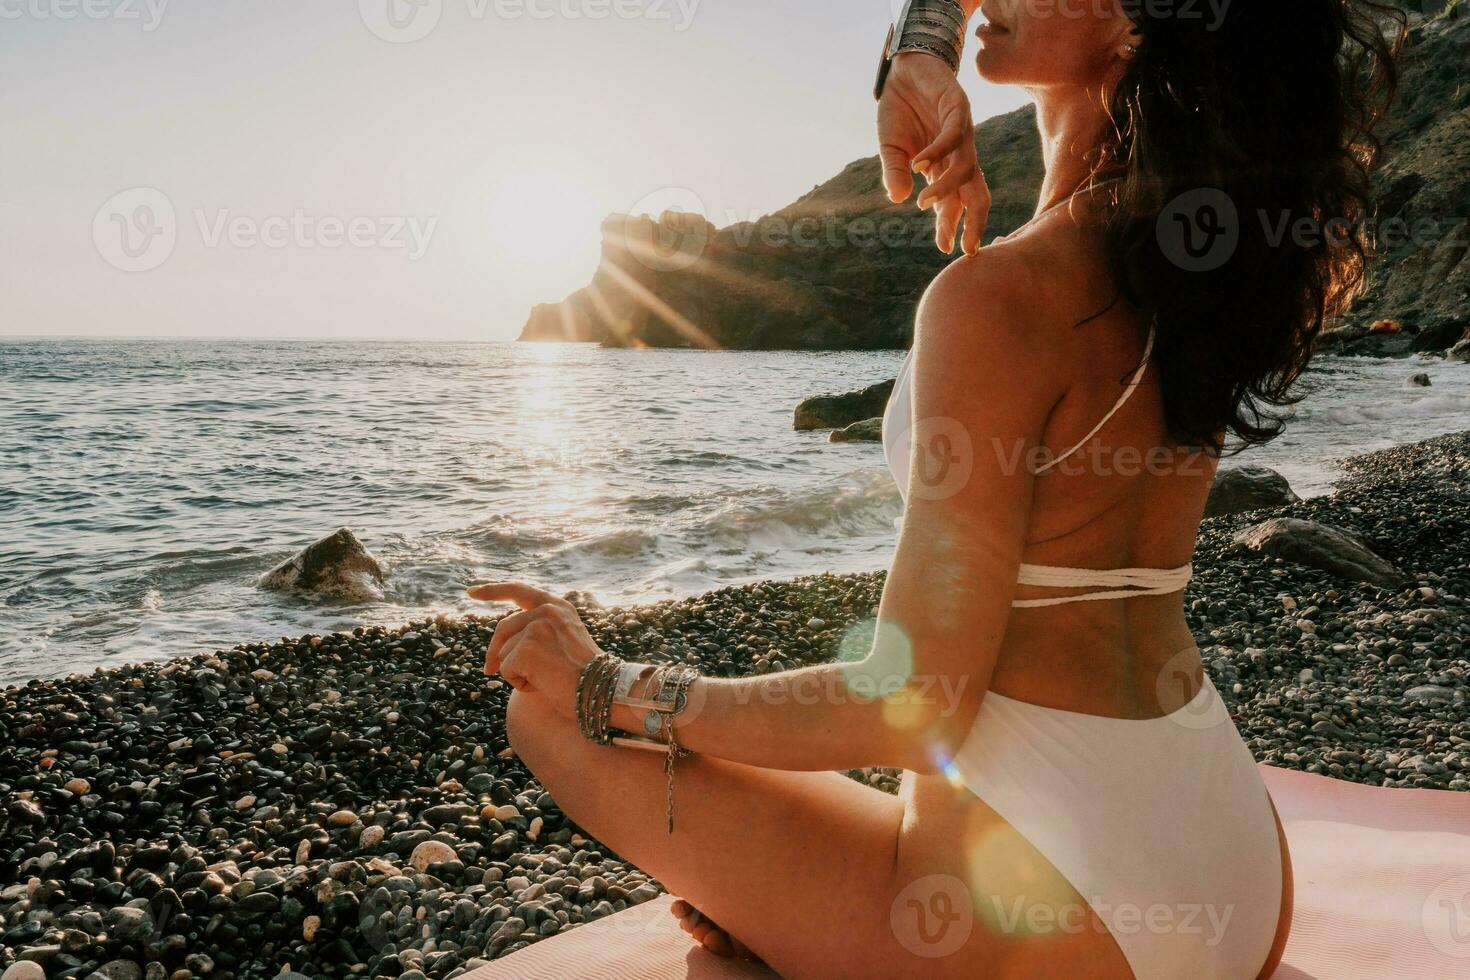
[(708, 934)]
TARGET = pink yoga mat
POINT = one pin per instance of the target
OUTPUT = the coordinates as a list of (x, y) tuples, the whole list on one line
[(1382, 881)]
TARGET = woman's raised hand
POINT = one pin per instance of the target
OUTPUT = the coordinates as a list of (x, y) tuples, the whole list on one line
[(543, 647), (924, 124)]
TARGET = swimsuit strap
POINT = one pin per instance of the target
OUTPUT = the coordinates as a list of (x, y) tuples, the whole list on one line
[(1133, 384), (1119, 583)]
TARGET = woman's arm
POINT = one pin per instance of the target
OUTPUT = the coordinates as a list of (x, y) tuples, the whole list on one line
[(984, 384)]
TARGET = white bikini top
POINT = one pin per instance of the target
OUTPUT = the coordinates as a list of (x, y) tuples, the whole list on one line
[(1113, 583)]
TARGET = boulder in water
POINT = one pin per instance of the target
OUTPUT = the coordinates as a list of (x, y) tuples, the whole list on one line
[(1420, 380), (1321, 546), (337, 565), (868, 430), (840, 411), (1248, 488)]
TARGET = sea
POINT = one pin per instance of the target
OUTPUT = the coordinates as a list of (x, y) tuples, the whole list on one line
[(145, 485)]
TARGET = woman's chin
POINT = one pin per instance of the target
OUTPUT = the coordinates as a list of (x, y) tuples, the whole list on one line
[(991, 65)]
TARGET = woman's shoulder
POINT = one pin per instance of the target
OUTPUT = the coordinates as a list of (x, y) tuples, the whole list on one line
[(984, 324), (1015, 295)]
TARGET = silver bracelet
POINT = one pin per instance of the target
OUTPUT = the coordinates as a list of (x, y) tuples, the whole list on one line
[(933, 27)]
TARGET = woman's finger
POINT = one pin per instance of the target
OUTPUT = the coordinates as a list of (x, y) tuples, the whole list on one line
[(523, 595), (898, 175), (948, 184), (976, 198), (951, 137), (947, 222), (515, 663), (504, 631)]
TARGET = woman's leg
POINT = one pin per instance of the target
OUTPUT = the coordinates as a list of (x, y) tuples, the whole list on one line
[(818, 875), (773, 857)]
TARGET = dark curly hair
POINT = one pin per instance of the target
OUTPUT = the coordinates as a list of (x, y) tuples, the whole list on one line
[(1268, 111)]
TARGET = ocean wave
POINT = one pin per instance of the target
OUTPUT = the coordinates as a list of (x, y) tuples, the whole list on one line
[(622, 543), (862, 502)]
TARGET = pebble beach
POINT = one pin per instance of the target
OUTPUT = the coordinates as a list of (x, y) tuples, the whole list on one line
[(346, 804)]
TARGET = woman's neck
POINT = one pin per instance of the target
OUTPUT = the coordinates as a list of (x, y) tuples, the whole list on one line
[(1071, 123)]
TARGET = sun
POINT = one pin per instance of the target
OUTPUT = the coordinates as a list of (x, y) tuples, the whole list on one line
[(545, 219)]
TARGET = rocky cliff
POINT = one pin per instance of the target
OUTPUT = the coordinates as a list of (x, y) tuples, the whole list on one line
[(1422, 282), (844, 268)]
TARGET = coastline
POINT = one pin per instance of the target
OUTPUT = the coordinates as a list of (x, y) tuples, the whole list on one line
[(347, 804)]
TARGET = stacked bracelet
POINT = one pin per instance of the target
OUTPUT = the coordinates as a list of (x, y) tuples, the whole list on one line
[(595, 687), (607, 680)]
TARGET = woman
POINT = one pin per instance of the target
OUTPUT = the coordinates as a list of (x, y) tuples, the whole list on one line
[(1077, 801)]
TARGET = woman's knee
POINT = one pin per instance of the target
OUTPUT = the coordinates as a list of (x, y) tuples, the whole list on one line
[(530, 723)]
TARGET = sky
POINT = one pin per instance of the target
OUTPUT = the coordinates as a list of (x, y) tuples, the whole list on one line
[(392, 169)]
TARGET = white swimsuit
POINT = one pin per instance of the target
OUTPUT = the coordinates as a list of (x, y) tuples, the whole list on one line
[(1162, 825)]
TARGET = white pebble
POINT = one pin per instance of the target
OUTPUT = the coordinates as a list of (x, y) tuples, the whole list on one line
[(431, 852)]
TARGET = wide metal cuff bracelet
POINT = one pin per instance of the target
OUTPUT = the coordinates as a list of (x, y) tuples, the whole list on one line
[(932, 27)]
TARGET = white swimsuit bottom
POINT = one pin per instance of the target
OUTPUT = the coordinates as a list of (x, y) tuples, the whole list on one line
[(1163, 826)]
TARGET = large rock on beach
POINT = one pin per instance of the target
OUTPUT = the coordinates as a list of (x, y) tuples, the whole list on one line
[(1248, 488), (338, 566), (1321, 546), (840, 411)]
